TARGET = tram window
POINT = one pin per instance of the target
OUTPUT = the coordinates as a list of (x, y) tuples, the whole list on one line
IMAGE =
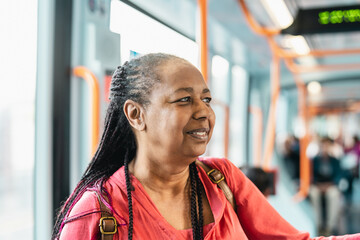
[(216, 144), (17, 95), (219, 91), (239, 88), (134, 26), (220, 79)]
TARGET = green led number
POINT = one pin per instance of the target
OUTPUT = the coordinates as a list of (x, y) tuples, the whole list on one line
[(339, 16), (324, 17)]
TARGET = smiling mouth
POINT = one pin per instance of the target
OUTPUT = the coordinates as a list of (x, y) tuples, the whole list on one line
[(201, 133)]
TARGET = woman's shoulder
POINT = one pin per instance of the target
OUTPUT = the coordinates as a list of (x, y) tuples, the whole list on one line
[(88, 202), (218, 163), (82, 221)]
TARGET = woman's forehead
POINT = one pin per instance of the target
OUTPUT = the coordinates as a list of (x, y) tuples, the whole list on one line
[(179, 72)]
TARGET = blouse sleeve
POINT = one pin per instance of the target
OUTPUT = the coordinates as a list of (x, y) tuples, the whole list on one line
[(83, 220), (257, 217)]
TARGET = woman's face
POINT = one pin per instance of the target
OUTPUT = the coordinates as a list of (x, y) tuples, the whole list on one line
[(179, 119)]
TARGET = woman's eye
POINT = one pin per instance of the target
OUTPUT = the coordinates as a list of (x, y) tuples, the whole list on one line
[(207, 100), (185, 99)]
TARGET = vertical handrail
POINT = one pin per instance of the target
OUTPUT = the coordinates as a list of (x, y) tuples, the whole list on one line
[(93, 83), (304, 140), (271, 123), (203, 39), (204, 67)]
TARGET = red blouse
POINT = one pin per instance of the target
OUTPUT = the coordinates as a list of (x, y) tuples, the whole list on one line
[(255, 217)]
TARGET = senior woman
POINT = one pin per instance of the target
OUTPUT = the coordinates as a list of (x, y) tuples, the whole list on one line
[(158, 123)]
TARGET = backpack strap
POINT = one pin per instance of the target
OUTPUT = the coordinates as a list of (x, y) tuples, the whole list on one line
[(217, 177), (107, 224)]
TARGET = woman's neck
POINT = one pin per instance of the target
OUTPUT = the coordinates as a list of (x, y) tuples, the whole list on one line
[(160, 178)]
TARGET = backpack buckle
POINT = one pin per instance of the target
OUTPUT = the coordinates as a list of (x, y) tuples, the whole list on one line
[(216, 177), (105, 222)]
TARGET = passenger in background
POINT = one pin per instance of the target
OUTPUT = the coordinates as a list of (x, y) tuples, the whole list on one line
[(259, 177), (336, 149), (326, 175), (292, 157), (350, 166)]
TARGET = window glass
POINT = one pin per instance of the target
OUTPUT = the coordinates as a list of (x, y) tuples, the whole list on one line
[(216, 145), (219, 91), (18, 24), (134, 26), (238, 111), (219, 79)]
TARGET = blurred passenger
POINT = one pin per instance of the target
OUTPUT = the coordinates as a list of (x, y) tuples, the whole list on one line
[(313, 149), (336, 149), (350, 166), (259, 177), (326, 175), (147, 171), (292, 157)]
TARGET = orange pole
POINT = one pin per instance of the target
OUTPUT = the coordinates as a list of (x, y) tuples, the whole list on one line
[(90, 78), (203, 39), (304, 140), (271, 123), (258, 129), (295, 68), (254, 25), (315, 53)]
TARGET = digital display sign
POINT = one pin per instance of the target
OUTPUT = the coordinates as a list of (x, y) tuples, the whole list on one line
[(325, 20), (339, 16)]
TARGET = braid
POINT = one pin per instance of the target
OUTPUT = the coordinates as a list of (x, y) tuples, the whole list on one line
[(199, 197), (196, 206), (194, 217), (128, 189)]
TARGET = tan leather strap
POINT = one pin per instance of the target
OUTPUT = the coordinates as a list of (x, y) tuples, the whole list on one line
[(107, 223), (217, 177)]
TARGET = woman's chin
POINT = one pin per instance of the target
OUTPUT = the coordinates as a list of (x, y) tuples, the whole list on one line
[(197, 152)]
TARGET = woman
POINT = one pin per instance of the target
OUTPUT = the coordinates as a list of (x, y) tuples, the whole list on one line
[(158, 123)]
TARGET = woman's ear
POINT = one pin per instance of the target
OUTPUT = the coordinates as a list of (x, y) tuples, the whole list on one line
[(134, 113)]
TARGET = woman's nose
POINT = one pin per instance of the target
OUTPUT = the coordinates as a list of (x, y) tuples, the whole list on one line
[(202, 110)]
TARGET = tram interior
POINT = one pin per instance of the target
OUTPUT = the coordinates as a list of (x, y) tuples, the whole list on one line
[(281, 86)]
